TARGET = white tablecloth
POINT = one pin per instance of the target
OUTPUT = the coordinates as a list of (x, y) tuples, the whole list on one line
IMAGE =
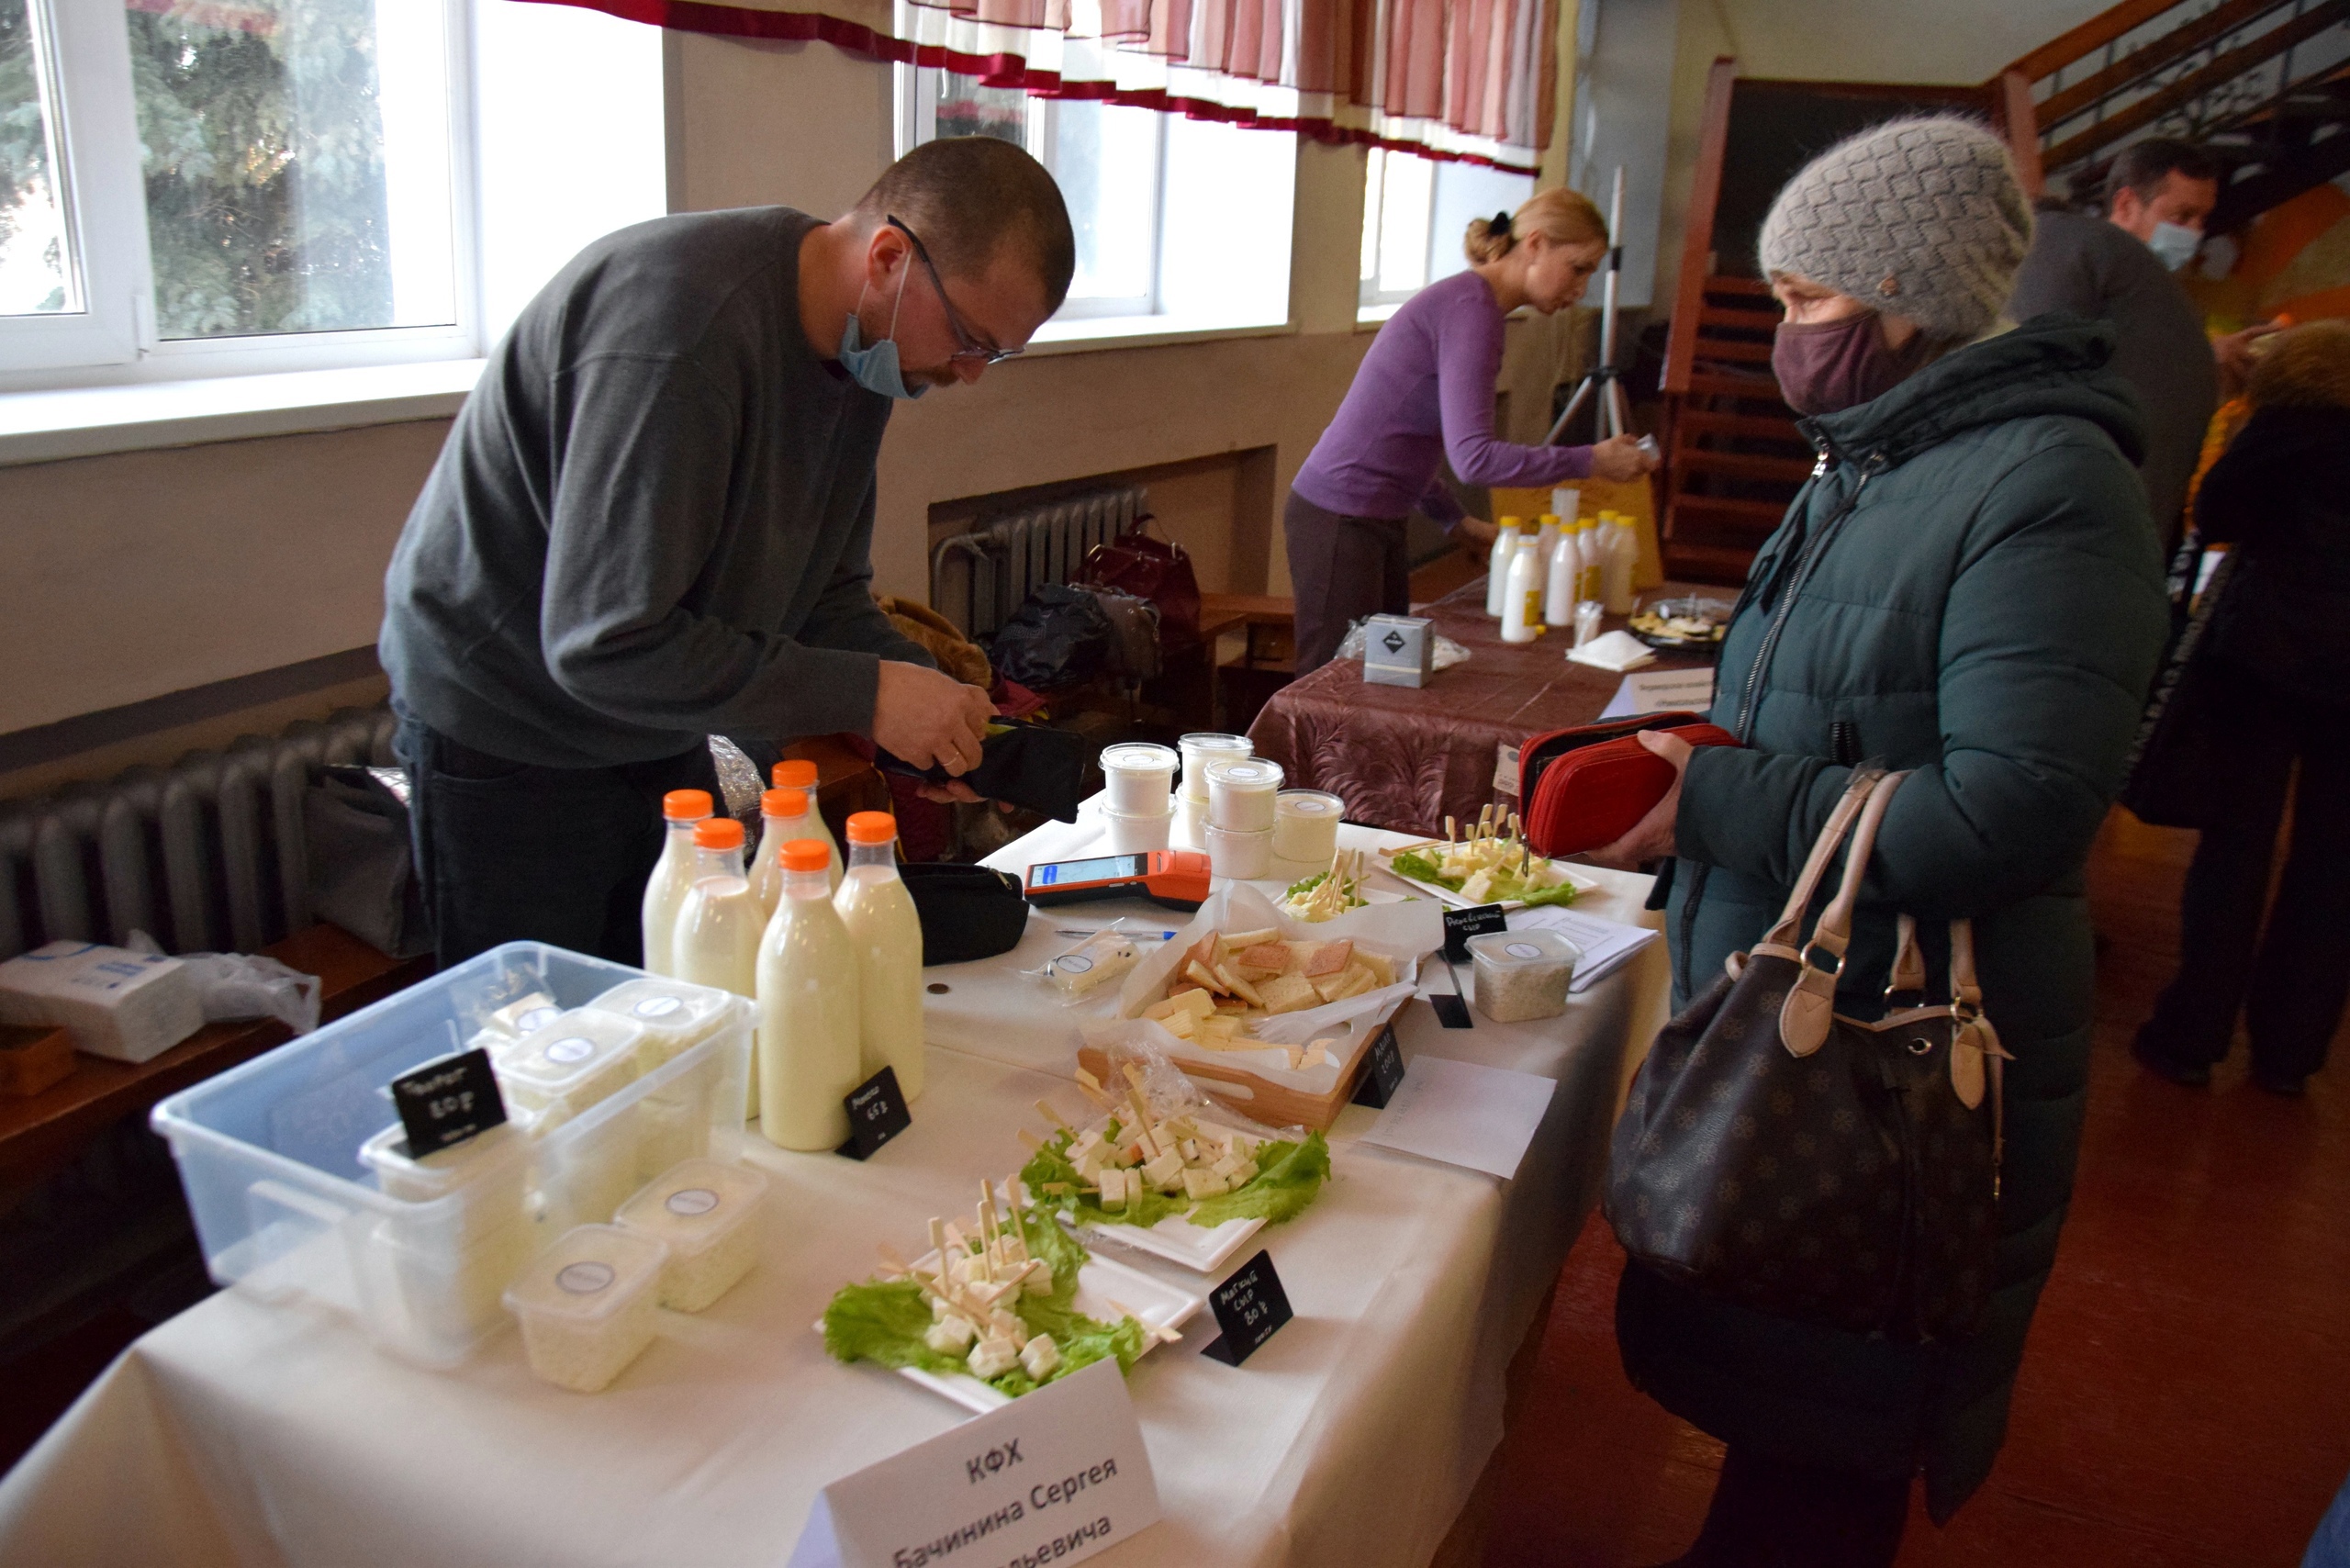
[(252, 1434)]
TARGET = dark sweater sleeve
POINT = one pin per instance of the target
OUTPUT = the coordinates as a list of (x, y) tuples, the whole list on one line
[(2049, 638), (645, 457), (845, 616)]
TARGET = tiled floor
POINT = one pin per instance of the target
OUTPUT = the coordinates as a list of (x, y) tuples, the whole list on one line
[(2185, 1401)]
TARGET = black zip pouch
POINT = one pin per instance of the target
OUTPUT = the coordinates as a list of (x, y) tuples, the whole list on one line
[(1033, 767), (966, 912)]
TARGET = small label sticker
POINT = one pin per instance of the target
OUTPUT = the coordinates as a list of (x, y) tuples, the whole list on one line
[(1073, 963), (537, 1018), (657, 1006), (1249, 1307), (1505, 770), (877, 1113), (586, 1279), (1382, 1073), (445, 1103), (692, 1202), (1522, 950), (571, 1051), (1460, 925)]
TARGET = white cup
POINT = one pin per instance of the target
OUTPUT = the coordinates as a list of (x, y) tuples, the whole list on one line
[(1305, 826), (1239, 853), (1201, 747), (1137, 833), (1191, 823), (1241, 791), (1139, 777)]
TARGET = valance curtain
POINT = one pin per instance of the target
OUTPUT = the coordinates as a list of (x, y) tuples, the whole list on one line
[(1466, 79)]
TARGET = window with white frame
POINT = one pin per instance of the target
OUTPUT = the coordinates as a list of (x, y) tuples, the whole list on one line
[(190, 189), (1414, 212), (1181, 224)]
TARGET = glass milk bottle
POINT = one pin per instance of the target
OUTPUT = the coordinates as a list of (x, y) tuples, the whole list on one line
[(792, 774), (784, 815), (717, 938), (1505, 544), (809, 1048), (673, 876), (879, 913)]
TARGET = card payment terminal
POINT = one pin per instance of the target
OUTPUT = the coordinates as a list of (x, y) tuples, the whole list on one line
[(1175, 877)]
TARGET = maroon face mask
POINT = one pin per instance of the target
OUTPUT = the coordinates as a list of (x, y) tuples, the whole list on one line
[(1829, 365)]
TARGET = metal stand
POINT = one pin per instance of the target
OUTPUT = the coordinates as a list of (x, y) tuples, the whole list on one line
[(1614, 415)]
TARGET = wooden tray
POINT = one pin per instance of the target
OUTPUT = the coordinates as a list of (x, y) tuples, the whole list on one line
[(1267, 1104)]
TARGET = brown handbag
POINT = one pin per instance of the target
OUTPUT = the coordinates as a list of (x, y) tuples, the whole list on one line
[(1779, 1155)]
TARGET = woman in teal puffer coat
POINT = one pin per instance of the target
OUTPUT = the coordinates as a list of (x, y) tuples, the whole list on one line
[(1969, 587)]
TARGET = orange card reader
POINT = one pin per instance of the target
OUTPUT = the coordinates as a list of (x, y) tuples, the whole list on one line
[(1175, 877)]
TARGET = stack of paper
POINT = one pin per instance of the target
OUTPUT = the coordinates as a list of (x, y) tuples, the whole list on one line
[(1607, 944)]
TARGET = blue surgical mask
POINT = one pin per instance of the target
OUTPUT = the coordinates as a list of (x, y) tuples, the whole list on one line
[(2174, 244), (876, 368)]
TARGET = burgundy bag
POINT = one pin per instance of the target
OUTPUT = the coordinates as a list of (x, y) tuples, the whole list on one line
[(1584, 787), (1154, 569)]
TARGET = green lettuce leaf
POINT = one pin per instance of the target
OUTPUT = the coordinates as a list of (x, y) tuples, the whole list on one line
[(1288, 1175), (1506, 887)]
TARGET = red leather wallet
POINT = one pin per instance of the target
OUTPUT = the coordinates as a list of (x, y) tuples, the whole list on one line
[(1587, 786)]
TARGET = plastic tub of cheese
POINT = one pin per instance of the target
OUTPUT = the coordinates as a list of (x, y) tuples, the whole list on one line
[(586, 1305), (1522, 975), (287, 1210), (705, 1214), (675, 1017), (569, 1063)]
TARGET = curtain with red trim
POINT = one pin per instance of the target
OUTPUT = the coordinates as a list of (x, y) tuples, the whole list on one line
[(1465, 79)]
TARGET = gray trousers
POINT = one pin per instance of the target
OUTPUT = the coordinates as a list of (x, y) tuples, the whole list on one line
[(1342, 568)]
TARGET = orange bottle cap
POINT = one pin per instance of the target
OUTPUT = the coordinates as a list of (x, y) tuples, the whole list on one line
[(807, 855), (685, 805), (718, 833), (872, 827), (784, 803), (794, 774)]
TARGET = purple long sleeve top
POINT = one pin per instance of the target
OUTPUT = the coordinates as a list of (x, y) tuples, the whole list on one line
[(1425, 393)]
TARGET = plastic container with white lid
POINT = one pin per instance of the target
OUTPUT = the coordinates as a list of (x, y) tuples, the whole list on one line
[(1137, 833), (704, 1212), (579, 1058), (1522, 975), (1201, 747), (1139, 777), (449, 1263), (1305, 826), (1240, 854), (586, 1304), (496, 1159), (675, 1017), (1242, 791)]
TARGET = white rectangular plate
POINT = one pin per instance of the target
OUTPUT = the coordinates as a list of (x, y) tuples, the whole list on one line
[(1205, 1249), (1099, 1283), (1443, 894)]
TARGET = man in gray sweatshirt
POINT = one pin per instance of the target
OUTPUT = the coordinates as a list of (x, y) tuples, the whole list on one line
[(651, 525)]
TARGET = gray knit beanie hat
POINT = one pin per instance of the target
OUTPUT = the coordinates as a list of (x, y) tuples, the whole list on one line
[(1918, 218)]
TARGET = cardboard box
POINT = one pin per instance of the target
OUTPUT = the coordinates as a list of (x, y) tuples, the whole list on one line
[(1398, 650)]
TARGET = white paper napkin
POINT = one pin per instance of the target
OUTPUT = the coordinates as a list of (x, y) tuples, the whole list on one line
[(1618, 651)]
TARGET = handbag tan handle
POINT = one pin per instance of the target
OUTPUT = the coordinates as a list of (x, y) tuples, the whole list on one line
[(1780, 940), (1809, 1011)]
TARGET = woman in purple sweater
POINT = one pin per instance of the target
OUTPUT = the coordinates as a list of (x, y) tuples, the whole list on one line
[(1425, 393)]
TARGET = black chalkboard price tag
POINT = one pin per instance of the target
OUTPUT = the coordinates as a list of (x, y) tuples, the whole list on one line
[(1383, 1074), (1248, 1306), (877, 1113), (1460, 925), (445, 1103)]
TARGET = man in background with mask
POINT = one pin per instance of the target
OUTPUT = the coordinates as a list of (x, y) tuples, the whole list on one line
[(651, 523), (2120, 268)]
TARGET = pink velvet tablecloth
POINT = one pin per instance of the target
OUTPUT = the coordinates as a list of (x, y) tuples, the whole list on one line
[(1404, 758)]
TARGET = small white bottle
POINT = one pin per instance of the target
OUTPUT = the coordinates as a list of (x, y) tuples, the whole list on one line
[(1522, 600), (879, 913), (1621, 566), (1505, 546), (1592, 549), (809, 1046), (673, 876), (796, 774), (784, 815), (717, 939), (1567, 502), (1559, 583)]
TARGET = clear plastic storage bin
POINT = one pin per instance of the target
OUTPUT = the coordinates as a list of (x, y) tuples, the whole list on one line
[(286, 1206)]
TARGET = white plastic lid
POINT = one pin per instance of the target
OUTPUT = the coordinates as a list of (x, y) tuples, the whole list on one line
[(1536, 948), (570, 1050), (589, 1275), (520, 1018), (1137, 756), (1110, 811), (667, 1006), (1215, 740), (1236, 836), (694, 1205), (1308, 803), (443, 1169), (1247, 775)]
